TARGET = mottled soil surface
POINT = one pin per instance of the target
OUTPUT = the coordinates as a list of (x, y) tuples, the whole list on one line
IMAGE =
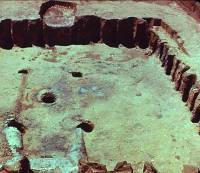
[(138, 115)]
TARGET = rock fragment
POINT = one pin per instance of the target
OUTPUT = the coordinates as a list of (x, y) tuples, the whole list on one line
[(91, 167), (149, 168), (123, 167)]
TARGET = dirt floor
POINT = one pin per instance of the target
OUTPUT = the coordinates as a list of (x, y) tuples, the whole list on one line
[(138, 116), (142, 120)]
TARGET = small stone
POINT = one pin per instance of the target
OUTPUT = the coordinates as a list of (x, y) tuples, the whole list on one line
[(91, 167), (134, 65), (123, 167), (149, 168), (138, 94)]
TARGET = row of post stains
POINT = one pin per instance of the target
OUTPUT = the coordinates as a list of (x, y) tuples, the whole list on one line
[(184, 78), (129, 32)]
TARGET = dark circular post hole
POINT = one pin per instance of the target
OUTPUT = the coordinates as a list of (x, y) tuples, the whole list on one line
[(48, 97)]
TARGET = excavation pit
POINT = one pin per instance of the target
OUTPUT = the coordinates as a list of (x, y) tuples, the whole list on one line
[(137, 76)]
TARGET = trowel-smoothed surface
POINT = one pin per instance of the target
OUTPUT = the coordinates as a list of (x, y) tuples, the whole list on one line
[(137, 114)]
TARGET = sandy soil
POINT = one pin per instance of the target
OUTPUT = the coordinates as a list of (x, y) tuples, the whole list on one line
[(137, 114)]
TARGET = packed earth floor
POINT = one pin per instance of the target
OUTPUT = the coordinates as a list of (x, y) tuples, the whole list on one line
[(127, 108)]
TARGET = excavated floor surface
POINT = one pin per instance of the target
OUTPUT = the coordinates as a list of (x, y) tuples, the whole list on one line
[(138, 116)]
